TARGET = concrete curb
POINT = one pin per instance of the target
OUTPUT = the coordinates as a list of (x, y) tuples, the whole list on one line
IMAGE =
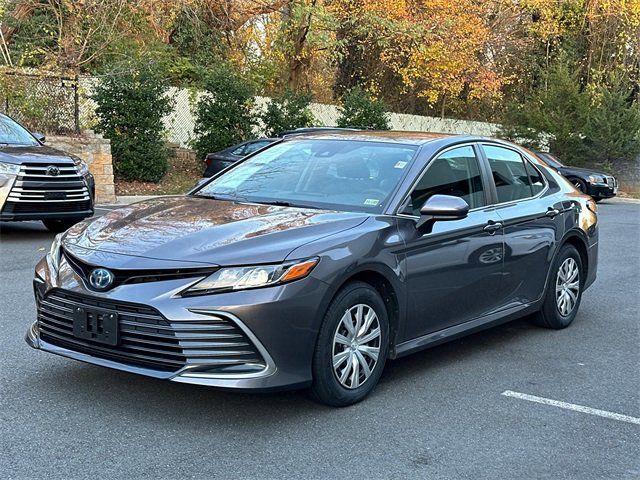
[(621, 200)]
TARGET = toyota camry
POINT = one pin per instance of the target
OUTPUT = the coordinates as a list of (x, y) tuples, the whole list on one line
[(312, 262)]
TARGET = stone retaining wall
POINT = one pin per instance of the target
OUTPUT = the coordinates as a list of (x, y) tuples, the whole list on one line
[(96, 151)]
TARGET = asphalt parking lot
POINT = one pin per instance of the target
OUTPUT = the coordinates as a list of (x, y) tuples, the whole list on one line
[(441, 413)]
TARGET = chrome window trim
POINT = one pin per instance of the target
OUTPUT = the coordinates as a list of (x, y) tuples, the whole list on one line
[(526, 159), (396, 210)]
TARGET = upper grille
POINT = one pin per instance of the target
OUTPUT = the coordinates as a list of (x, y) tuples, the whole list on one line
[(147, 339), (36, 191), (130, 276)]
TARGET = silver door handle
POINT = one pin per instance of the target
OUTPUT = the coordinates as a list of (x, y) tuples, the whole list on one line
[(552, 212), (492, 227)]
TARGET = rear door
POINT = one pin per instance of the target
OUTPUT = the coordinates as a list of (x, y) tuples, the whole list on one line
[(533, 223)]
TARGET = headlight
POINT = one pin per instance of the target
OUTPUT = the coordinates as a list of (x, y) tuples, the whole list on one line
[(9, 168), (54, 254), (240, 278), (596, 179), (81, 165)]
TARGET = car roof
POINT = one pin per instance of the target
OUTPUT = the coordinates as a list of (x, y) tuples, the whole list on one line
[(392, 136)]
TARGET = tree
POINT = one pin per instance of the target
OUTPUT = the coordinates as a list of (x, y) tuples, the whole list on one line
[(224, 113), (130, 107), (287, 112), (612, 130), (359, 109)]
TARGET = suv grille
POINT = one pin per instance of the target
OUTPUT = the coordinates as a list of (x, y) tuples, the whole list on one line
[(36, 191), (147, 339)]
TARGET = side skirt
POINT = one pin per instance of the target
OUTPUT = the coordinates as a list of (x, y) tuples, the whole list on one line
[(457, 331)]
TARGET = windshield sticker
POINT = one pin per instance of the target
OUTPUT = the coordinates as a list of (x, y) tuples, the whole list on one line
[(372, 202), (400, 165)]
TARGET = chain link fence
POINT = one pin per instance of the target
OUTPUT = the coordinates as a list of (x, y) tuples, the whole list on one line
[(62, 106), (43, 103)]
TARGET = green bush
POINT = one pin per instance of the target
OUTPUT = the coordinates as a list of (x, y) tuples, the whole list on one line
[(361, 110), (287, 112), (130, 107), (224, 113)]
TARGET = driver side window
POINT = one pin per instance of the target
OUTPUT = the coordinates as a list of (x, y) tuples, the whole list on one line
[(456, 172)]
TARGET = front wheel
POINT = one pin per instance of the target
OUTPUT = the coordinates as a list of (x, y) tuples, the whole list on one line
[(564, 292), (579, 184), (352, 346), (58, 226)]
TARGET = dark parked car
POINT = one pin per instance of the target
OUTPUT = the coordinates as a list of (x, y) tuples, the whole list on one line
[(598, 185), (218, 161), (311, 263), (39, 182)]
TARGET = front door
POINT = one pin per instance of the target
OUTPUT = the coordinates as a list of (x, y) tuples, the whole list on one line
[(453, 273)]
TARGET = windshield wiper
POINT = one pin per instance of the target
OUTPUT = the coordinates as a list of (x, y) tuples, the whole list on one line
[(283, 203)]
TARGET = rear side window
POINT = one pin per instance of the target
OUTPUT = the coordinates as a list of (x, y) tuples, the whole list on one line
[(252, 147), (511, 174), (535, 177), (456, 172)]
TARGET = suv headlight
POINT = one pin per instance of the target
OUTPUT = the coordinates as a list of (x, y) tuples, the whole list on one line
[(596, 179), (81, 165), (9, 168), (53, 257), (241, 278)]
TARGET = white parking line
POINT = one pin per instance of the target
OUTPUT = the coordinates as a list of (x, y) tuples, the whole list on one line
[(572, 406)]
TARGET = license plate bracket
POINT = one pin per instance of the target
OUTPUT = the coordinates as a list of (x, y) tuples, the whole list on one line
[(55, 196), (96, 324)]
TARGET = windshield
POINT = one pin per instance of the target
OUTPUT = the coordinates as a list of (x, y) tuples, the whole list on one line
[(551, 160), (12, 133), (333, 174)]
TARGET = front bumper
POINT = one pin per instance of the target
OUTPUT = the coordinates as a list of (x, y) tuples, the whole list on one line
[(600, 191), (282, 322)]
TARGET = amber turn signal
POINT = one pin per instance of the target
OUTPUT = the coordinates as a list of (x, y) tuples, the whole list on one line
[(299, 270)]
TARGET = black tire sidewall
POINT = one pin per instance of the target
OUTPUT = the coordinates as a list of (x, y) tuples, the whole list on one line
[(583, 185), (326, 388), (58, 226)]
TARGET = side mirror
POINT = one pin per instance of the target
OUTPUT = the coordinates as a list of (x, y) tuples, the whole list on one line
[(440, 208), (39, 136)]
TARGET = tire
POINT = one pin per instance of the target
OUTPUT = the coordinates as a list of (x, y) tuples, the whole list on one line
[(579, 184), (58, 226), (554, 313), (356, 298)]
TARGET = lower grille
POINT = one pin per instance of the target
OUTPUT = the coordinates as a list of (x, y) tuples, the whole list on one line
[(46, 207), (147, 339)]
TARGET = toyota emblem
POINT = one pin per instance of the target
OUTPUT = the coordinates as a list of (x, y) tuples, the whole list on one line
[(101, 278), (53, 171)]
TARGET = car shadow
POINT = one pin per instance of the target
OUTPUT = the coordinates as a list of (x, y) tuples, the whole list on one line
[(24, 231), (147, 398)]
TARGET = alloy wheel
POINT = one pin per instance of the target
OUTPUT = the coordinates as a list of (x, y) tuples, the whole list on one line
[(356, 346), (567, 286)]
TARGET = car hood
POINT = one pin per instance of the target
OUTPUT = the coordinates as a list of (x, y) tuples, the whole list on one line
[(33, 154), (174, 230), (582, 172)]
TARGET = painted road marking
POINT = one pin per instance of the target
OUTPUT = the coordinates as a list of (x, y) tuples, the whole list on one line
[(572, 406)]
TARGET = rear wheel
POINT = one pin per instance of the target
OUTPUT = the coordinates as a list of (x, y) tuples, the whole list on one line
[(352, 346), (564, 292), (58, 226)]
